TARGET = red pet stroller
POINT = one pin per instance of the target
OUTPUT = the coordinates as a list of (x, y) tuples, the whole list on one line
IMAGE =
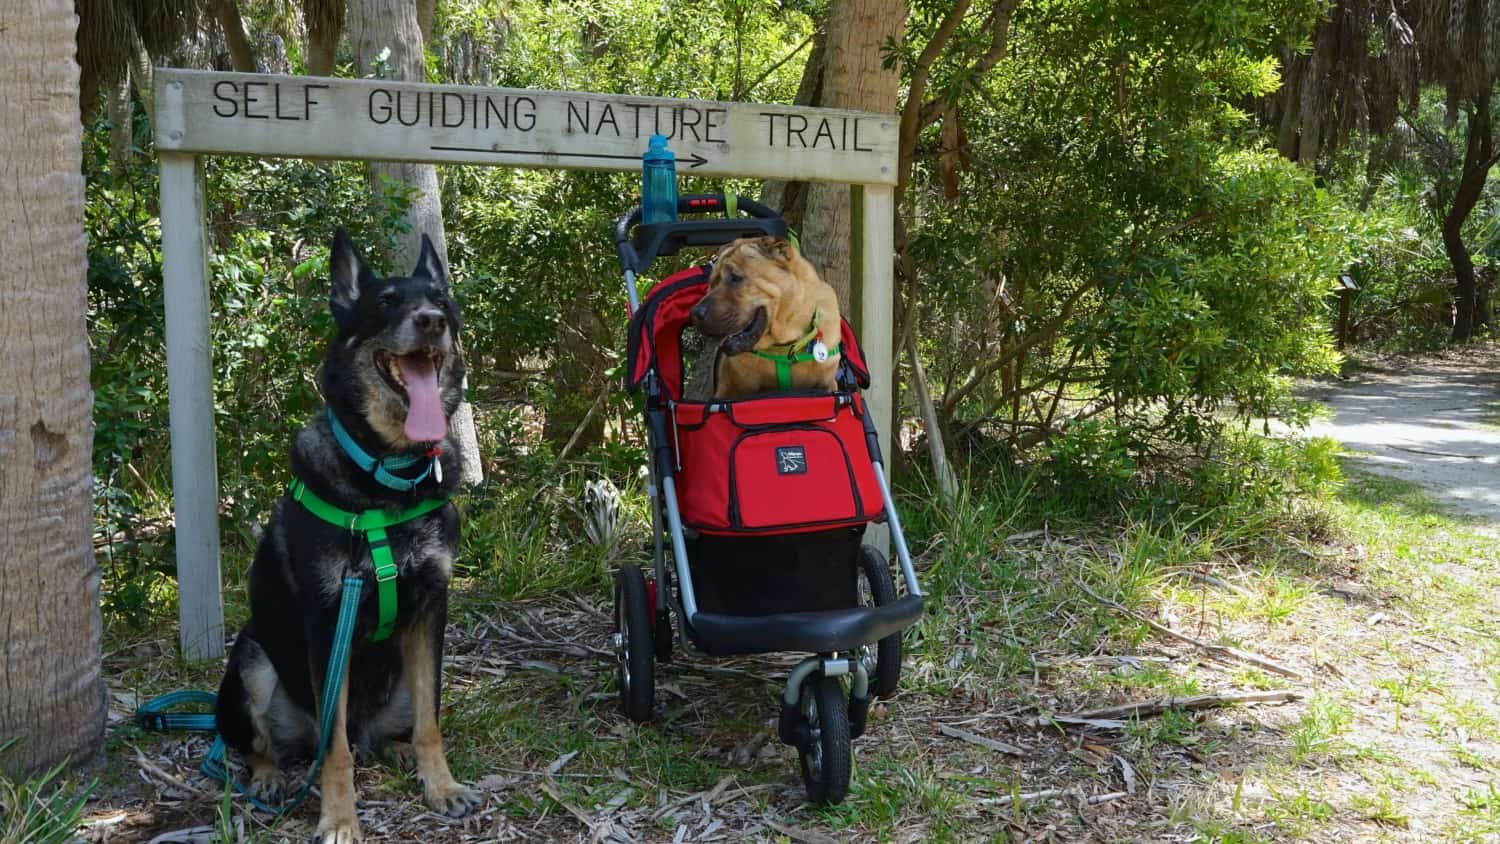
[(764, 502)]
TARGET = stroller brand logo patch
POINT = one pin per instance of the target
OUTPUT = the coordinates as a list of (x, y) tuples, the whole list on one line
[(791, 460)]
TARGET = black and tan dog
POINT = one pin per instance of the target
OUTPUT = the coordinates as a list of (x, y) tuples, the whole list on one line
[(779, 321), (391, 379)]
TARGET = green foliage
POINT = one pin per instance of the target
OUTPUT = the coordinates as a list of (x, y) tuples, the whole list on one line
[(1403, 189), (1120, 238)]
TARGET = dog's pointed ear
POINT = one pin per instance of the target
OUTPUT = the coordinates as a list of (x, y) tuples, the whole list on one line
[(429, 265), (775, 248), (347, 273)]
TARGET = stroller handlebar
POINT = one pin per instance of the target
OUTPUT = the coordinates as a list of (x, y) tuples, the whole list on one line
[(650, 240)]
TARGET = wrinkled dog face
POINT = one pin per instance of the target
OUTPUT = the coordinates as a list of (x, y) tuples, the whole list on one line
[(749, 280), (396, 362)]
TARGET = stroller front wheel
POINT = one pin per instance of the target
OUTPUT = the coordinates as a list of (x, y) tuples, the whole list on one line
[(636, 672), (825, 752)]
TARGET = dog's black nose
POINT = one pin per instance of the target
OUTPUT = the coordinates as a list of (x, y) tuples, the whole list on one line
[(700, 312), (430, 322)]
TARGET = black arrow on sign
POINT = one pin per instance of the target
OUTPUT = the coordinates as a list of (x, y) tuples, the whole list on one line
[(695, 161)]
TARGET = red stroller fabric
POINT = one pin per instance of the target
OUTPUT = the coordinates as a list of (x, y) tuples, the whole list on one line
[(777, 463)]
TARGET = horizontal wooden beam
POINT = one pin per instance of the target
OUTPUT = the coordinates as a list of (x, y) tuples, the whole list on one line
[(373, 119)]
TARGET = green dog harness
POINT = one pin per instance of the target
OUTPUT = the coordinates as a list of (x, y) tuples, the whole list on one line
[(373, 524), (812, 348)]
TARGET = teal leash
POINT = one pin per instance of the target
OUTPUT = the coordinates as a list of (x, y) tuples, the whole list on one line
[(152, 714)]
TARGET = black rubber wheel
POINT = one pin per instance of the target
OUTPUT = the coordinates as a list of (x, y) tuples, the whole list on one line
[(635, 673), (825, 756), (876, 576)]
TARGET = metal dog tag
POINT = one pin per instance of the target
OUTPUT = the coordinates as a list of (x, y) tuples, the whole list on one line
[(819, 351), (437, 469)]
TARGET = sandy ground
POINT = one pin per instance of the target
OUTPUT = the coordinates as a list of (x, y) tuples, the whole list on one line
[(1435, 422)]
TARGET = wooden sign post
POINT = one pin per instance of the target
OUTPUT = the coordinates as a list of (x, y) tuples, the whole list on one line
[(207, 113)]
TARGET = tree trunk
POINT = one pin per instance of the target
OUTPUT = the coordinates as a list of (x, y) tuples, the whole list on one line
[(1313, 103), (240, 54), (143, 76), (426, 18), (375, 25), (1291, 106), (325, 26), (53, 699), (121, 118), (1478, 158), (852, 78)]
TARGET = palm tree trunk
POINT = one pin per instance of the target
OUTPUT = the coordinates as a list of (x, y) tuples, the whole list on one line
[(53, 699)]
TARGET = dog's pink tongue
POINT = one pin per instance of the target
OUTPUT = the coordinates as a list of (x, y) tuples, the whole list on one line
[(424, 418)]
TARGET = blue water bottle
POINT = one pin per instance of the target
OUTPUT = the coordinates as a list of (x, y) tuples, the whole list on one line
[(658, 183)]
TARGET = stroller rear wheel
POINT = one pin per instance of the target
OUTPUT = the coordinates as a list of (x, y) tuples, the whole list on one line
[(876, 574), (636, 671), (825, 753)]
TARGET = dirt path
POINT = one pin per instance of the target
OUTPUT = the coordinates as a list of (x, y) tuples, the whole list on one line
[(1435, 422)]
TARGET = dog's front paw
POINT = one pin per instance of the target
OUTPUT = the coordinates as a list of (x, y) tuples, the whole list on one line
[(338, 828), (453, 799)]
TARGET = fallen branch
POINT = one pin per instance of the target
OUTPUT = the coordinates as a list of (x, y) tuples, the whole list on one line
[(1147, 708), (1221, 651), (982, 741), (561, 647), (1096, 723), (1216, 582), (1032, 796), (151, 768)]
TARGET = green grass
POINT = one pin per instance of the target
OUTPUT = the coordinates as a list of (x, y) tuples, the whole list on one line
[(45, 808), (1299, 812), (1316, 734)]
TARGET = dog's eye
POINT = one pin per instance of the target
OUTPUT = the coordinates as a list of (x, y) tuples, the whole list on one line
[(389, 299), (735, 278)]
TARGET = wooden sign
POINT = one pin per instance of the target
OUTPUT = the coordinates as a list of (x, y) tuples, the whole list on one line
[(322, 117)]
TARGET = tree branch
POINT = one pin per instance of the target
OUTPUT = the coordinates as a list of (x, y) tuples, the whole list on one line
[(1046, 332), (916, 114), (740, 95)]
